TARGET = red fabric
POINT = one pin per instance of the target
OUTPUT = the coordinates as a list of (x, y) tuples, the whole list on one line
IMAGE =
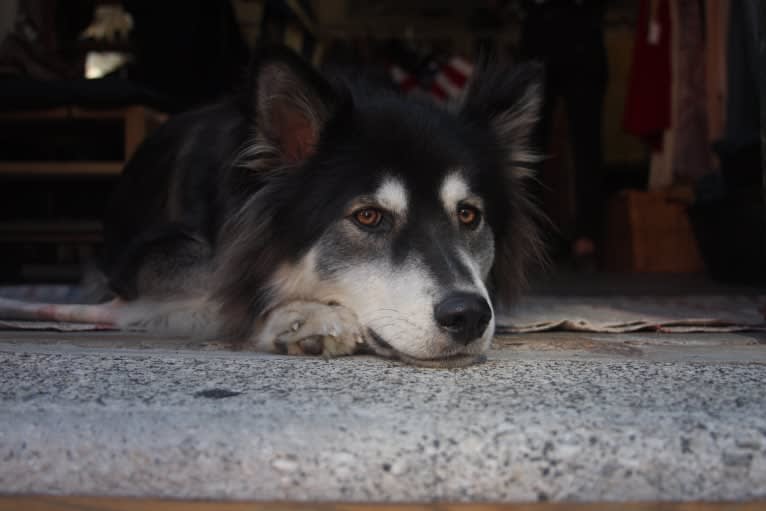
[(648, 102), (455, 75), (438, 92), (402, 78)]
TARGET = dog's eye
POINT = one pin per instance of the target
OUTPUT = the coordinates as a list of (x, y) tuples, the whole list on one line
[(468, 215), (368, 217)]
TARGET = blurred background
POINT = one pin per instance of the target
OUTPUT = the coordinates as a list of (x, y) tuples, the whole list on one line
[(652, 120)]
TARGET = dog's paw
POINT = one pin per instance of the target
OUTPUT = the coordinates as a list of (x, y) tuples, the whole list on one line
[(311, 328)]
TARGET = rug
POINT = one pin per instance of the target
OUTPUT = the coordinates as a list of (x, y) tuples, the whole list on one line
[(605, 314)]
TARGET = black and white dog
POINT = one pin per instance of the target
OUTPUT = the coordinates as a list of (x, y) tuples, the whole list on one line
[(323, 216)]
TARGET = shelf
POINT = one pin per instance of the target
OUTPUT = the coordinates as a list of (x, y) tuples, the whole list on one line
[(137, 121), (75, 112), (56, 168), (51, 231)]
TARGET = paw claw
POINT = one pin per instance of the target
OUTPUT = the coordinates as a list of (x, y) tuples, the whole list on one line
[(311, 345)]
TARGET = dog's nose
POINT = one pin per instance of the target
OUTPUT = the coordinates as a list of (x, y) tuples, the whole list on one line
[(464, 315)]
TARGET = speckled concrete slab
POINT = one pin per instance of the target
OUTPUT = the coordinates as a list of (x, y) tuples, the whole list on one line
[(567, 417)]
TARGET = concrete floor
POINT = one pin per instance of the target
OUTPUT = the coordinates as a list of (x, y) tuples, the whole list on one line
[(558, 416)]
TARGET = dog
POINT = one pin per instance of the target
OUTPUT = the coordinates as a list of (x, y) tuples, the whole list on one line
[(327, 215)]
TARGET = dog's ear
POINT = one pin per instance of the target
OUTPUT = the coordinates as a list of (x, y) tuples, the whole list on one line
[(292, 103), (508, 100)]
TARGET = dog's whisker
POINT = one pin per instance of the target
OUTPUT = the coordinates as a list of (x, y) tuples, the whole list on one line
[(402, 324)]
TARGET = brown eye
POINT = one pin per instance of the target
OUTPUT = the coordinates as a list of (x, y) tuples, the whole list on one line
[(368, 217), (468, 215)]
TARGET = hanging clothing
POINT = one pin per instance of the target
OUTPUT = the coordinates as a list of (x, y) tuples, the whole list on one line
[(691, 158), (648, 101)]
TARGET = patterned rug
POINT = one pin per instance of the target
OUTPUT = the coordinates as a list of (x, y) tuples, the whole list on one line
[(637, 313), (615, 314)]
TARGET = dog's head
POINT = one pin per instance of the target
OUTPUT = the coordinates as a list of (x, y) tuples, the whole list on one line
[(412, 216)]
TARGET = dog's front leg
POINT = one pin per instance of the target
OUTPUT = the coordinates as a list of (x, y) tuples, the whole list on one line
[(310, 328)]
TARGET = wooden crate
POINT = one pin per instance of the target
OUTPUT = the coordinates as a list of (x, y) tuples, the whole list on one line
[(137, 121), (51, 243), (650, 232)]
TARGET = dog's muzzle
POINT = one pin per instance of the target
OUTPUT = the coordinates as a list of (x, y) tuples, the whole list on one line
[(464, 316)]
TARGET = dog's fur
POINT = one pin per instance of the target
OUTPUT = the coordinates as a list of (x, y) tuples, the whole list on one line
[(244, 213)]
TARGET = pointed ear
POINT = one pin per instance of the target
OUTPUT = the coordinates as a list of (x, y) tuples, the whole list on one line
[(508, 100), (292, 104)]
